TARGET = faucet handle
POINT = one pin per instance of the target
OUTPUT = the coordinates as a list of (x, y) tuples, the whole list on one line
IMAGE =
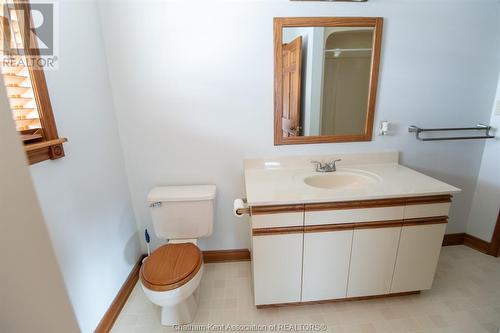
[(333, 165), (319, 165)]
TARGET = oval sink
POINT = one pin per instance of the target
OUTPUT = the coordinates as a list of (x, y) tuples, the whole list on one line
[(341, 179)]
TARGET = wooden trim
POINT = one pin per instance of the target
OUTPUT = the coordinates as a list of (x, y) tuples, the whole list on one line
[(116, 306), (356, 225), (279, 24), (374, 77), (425, 220), (226, 255), (40, 91), (327, 21), (263, 210), (476, 243), (428, 199), (278, 80), (453, 239), (379, 224), (492, 248), (346, 299), (356, 204), (44, 144), (315, 139), (495, 240), (277, 231), (328, 227), (38, 155)]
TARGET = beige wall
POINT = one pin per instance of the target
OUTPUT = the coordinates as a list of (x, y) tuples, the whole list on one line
[(33, 297)]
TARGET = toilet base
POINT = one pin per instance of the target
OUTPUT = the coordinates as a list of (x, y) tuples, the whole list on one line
[(181, 313)]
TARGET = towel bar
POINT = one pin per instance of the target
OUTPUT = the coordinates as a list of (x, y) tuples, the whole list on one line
[(480, 127)]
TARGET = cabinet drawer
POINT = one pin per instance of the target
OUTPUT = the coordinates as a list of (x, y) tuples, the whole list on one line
[(427, 210), (278, 220), (354, 215)]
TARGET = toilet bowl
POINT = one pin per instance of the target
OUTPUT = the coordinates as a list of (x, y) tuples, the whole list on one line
[(170, 276)]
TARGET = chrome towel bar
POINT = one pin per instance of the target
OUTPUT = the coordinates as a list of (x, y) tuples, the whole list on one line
[(479, 127)]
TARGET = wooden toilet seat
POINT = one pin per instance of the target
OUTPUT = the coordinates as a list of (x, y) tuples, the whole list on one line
[(171, 266)]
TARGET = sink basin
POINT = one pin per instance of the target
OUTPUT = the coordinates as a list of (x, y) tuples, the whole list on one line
[(341, 179)]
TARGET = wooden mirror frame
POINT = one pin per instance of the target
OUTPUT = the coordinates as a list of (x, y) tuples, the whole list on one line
[(291, 22)]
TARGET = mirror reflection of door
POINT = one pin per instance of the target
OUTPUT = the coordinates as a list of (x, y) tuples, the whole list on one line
[(346, 81), (292, 61)]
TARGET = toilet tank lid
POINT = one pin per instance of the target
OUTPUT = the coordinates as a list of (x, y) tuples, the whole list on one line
[(182, 193)]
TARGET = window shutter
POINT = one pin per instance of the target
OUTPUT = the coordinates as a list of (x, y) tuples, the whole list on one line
[(17, 80)]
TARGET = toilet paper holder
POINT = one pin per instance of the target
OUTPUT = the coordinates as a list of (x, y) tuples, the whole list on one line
[(243, 210)]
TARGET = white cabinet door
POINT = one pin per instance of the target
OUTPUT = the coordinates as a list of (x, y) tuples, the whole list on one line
[(372, 261), (326, 265), (418, 256), (277, 268)]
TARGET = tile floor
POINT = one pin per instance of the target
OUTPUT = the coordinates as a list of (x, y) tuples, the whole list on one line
[(465, 298)]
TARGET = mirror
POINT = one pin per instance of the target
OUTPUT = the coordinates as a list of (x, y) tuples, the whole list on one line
[(326, 74)]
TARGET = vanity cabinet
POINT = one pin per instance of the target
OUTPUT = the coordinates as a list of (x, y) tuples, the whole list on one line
[(418, 256), (372, 261), (326, 263), (420, 244), (277, 246), (277, 268), (325, 251)]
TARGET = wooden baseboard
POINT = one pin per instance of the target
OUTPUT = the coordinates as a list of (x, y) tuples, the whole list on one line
[(472, 242), (116, 307), (347, 299), (226, 255), (453, 239), (477, 243), (492, 248), (495, 239)]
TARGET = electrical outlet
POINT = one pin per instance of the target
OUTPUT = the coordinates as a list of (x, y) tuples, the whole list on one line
[(497, 108)]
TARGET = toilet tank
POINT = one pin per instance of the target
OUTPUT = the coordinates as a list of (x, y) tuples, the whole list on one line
[(182, 212)]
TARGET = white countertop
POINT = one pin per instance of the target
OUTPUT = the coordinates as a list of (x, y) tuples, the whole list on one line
[(281, 181)]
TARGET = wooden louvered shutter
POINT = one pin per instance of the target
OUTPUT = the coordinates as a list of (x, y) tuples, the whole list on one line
[(25, 85), (18, 82)]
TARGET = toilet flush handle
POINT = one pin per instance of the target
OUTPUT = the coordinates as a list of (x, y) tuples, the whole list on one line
[(155, 204)]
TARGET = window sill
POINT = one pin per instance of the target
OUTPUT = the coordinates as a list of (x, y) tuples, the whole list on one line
[(47, 150)]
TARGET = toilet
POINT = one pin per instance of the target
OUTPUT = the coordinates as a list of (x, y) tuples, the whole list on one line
[(170, 276)]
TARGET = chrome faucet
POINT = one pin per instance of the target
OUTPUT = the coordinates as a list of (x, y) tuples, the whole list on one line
[(326, 167)]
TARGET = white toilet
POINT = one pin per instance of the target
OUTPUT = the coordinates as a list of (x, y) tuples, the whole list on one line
[(170, 276)]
